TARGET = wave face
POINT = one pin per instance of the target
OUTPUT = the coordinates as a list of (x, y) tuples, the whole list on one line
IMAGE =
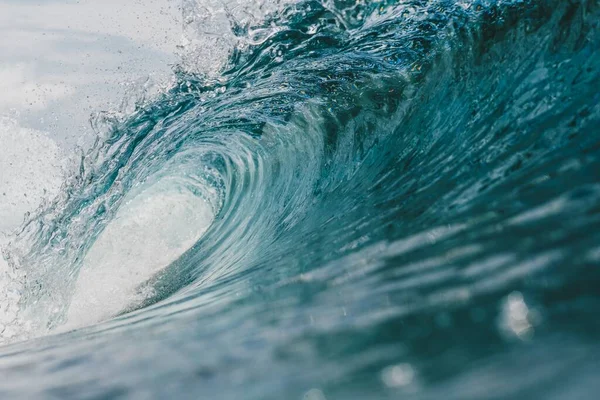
[(369, 199)]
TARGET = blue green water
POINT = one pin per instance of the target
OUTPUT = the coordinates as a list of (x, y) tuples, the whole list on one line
[(405, 200)]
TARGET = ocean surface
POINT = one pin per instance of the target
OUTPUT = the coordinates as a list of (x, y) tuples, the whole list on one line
[(329, 199)]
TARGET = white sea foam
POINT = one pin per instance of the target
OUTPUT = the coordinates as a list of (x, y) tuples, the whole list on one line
[(31, 171), (149, 232), (209, 30)]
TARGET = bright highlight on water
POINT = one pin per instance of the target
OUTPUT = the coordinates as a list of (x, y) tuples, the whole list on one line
[(332, 199)]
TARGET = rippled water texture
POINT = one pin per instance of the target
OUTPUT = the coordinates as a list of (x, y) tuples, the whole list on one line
[(368, 199)]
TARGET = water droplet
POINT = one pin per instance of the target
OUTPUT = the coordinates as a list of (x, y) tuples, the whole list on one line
[(399, 375), (516, 317), (314, 394)]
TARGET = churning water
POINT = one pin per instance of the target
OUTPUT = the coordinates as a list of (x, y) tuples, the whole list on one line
[(335, 199)]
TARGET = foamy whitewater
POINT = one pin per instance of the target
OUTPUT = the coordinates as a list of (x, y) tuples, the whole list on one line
[(328, 199)]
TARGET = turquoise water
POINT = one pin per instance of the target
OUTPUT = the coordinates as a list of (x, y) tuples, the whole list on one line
[(385, 199)]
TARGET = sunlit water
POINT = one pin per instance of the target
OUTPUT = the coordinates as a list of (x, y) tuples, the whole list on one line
[(333, 200)]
